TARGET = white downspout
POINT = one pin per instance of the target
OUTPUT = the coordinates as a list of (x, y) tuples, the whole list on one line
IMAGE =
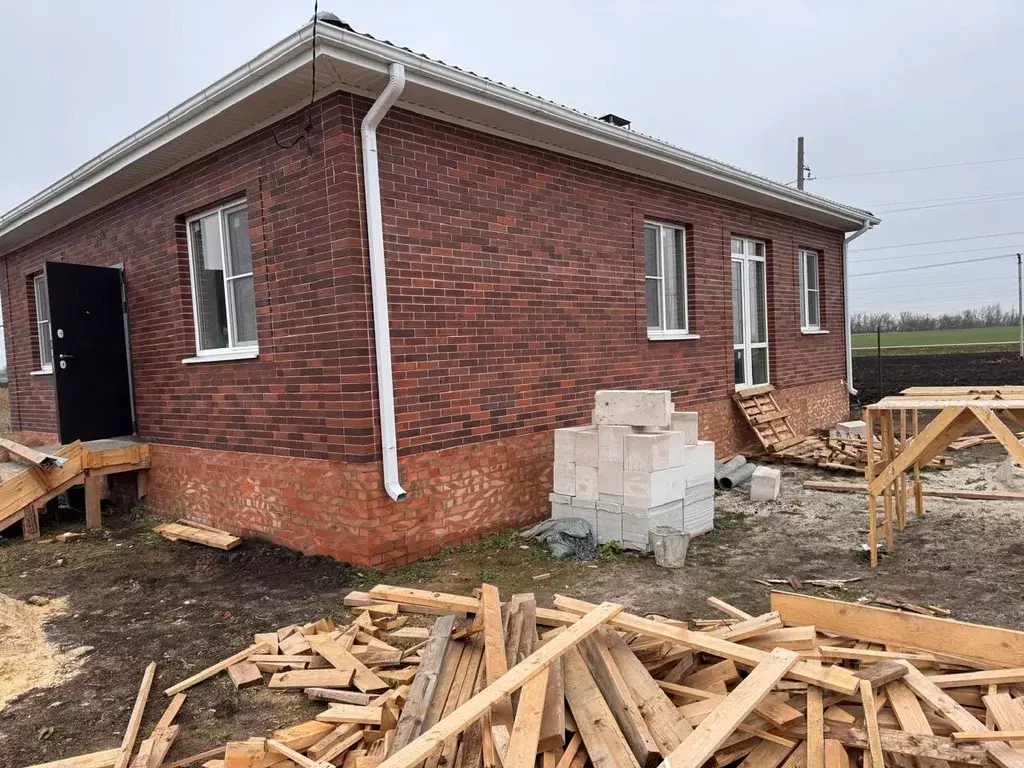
[(379, 279), (846, 304)]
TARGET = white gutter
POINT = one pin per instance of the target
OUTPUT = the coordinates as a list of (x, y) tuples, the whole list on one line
[(846, 303), (379, 279)]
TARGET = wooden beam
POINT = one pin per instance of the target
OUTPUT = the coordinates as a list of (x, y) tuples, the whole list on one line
[(943, 705), (522, 745), (132, 731), (93, 499), (422, 694), (833, 678), (595, 722), (1007, 714), (339, 657), (700, 745), (990, 645), (1000, 432), (986, 677), (867, 697), (495, 659), (824, 485), (312, 678), (934, 434), (515, 678), (728, 610), (220, 666), (959, 736), (103, 759)]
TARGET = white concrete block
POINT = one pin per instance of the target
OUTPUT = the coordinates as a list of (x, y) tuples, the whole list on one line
[(610, 506), (765, 484), (651, 489), (609, 526), (666, 514), (609, 477), (700, 517), (586, 447), (565, 445), (685, 422), (635, 533), (615, 498), (628, 511), (586, 483), (633, 407), (700, 463), (559, 498), (851, 429), (558, 511), (699, 492), (609, 439), (590, 515), (647, 452), (564, 480), (588, 503)]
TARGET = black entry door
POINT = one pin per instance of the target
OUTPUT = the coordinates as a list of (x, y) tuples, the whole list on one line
[(90, 354)]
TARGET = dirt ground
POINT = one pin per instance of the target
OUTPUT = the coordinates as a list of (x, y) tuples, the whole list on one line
[(935, 370), (134, 597)]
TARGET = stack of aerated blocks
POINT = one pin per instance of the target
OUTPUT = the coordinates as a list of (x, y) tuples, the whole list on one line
[(638, 466)]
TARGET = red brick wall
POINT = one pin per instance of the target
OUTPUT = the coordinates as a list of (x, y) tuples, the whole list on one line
[(516, 284)]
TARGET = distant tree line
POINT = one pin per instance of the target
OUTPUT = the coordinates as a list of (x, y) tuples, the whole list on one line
[(989, 316)]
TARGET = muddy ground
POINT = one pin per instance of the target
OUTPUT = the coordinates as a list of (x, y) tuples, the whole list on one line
[(935, 370), (134, 597)]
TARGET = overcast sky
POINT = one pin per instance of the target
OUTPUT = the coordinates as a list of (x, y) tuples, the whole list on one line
[(873, 85)]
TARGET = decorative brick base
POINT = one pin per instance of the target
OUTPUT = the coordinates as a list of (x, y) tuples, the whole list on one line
[(455, 496)]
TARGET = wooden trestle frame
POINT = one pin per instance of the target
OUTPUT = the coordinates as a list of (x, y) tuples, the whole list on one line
[(960, 409)]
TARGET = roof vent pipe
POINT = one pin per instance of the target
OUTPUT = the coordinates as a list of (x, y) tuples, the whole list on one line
[(379, 279)]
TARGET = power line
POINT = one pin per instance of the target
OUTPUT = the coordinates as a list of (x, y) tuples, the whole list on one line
[(947, 205), (934, 242), (937, 253), (931, 266), (943, 199), (927, 286), (885, 171)]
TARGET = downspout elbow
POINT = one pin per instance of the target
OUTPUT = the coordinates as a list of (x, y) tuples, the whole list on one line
[(846, 305), (378, 280)]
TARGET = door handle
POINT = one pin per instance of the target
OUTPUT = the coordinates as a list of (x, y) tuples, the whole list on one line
[(65, 357)]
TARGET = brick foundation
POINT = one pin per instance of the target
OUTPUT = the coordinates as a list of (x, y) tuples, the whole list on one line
[(455, 496)]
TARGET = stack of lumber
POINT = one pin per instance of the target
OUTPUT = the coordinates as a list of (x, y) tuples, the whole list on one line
[(814, 683), (843, 454), (187, 530)]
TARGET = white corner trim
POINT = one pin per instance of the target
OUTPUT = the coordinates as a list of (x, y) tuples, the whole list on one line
[(42, 372), (813, 331), (670, 335), (222, 355)]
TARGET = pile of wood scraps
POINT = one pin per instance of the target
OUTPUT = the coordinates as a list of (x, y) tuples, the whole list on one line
[(497, 682)]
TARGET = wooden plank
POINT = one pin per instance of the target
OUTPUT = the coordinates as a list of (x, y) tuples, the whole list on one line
[(26, 487), (943, 705), (728, 610), (767, 754), (132, 731), (934, 750), (349, 713), (522, 746), (991, 645), (171, 712), (414, 712), (363, 678), (93, 501), (221, 540), (960, 736), (836, 755), (911, 718), (571, 750), (939, 493), (1007, 714), (939, 433), (833, 678), (706, 738), (512, 680), (878, 675), (793, 638), (815, 728), (595, 721), (244, 674), (871, 656), (220, 666), (749, 628), (552, 725), (867, 697), (986, 677), (495, 660), (303, 735), (615, 690), (103, 759), (667, 725), (342, 697), (194, 759), (160, 744), (299, 759), (31, 455), (312, 678)]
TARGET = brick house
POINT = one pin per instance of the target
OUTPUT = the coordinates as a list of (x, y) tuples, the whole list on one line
[(356, 340)]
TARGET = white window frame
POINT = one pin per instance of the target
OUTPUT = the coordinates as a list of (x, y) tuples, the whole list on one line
[(750, 255), (235, 350), (806, 326), (662, 333), (44, 366)]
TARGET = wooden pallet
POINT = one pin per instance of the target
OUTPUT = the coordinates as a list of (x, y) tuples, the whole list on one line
[(769, 422), (844, 454)]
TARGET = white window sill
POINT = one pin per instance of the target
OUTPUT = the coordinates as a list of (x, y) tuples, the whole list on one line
[(813, 331), (42, 372), (653, 335), (222, 355)]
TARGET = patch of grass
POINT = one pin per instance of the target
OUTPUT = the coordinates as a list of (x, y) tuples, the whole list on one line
[(937, 342)]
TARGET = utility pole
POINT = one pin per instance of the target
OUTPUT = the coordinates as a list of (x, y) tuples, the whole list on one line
[(1020, 306), (800, 162)]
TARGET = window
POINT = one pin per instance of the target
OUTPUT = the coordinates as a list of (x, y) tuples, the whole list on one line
[(749, 313), (665, 270), (42, 300), (810, 301), (223, 302)]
